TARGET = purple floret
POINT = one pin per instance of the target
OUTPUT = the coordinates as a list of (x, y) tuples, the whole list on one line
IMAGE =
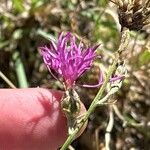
[(67, 58)]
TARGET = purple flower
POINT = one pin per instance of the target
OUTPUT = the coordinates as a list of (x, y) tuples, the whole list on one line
[(67, 58)]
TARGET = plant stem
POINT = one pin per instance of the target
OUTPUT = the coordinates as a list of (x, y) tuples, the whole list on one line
[(109, 129), (7, 80), (123, 44), (19, 67)]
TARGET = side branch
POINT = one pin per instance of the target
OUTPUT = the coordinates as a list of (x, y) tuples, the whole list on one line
[(98, 99)]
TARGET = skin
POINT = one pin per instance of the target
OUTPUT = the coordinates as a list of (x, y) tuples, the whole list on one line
[(32, 119)]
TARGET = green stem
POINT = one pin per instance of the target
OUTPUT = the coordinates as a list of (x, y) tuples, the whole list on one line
[(112, 68), (19, 67)]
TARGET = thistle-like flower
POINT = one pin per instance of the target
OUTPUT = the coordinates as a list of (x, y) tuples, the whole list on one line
[(67, 58), (70, 60)]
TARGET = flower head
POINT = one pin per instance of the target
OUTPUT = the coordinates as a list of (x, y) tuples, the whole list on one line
[(133, 14), (67, 58)]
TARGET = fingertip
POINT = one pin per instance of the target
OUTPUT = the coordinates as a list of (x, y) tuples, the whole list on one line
[(31, 119)]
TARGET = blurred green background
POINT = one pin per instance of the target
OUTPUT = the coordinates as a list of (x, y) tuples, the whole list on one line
[(93, 21)]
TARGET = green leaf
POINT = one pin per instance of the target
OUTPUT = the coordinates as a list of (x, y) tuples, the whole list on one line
[(145, 57), (103, 2), (37, 3), (3, 44), (20, 70), (46, 35), (18, 4)]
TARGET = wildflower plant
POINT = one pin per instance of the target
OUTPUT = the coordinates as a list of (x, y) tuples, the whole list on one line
[(69, 61)]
